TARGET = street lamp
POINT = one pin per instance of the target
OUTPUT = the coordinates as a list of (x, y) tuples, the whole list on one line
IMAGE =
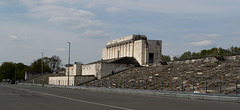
[(42, 63), (68, 62), (15, 73)]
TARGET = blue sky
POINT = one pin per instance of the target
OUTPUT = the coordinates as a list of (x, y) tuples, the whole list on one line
[(29, 27)]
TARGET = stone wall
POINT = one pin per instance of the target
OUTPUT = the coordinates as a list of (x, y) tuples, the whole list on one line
[(90, 69), (100, 70), (30, 75), (73, 80), (76, 69), (180, 76)]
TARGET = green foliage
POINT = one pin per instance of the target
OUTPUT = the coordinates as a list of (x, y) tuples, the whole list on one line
[(54, 63), (208, 53), (8, 69), (39, 65), (49, 64), (166, 58)]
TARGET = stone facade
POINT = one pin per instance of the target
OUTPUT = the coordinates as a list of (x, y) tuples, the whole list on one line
[(119, 55), (137, 46), (73, 80), (107, 67), (74, 70)]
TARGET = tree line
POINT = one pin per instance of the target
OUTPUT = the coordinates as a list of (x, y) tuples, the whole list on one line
[(234, 50), (10, 70)]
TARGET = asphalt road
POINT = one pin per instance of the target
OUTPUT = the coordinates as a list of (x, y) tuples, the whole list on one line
[(20, 97)]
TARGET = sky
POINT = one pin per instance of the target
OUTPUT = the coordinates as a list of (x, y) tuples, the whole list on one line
[(29, 27)]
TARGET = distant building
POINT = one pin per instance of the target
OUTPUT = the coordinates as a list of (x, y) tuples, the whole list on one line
[(119, 55), (137, 46)]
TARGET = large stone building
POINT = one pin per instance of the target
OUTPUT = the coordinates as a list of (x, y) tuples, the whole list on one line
[(137, 46), (119, 55)]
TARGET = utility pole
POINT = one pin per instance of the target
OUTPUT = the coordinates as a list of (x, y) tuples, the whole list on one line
[(68, 62), (42, 64), (15, 73)]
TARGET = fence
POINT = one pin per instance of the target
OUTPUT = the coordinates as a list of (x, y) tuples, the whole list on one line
[(208, 86)]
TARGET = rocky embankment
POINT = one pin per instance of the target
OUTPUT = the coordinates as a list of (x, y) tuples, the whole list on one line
[(180, 76), (44, 78)]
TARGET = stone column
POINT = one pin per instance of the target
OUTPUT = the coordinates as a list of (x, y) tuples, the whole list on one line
[(108, 53), (122, 50), (111, 54), (132, 49), (127, 49), (114, 52)]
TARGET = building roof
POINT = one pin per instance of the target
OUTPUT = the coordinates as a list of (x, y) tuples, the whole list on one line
[(126, 40), (123, 60)]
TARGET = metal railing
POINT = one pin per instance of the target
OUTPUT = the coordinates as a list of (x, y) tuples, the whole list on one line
[(208, 86)]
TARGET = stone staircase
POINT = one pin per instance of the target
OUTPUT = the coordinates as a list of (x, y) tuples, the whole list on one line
[(178, 77)]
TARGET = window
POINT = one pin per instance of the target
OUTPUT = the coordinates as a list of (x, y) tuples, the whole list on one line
[(151, 58)]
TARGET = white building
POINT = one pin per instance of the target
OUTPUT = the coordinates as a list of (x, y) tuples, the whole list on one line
[(119, 55), (137, 46)]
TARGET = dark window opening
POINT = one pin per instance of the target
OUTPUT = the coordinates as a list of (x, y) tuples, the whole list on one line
[(118, 54), (150, 59)]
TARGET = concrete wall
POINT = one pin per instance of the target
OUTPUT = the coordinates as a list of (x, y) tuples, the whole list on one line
[(109, 68), (100, 70), (61, 80), (30, 75), (90, 69), (73, 80), (139, 51), (155, 46), (104, 53), (76, 69)]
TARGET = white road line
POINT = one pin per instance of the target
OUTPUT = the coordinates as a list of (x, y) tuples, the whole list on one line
[(83, 101)]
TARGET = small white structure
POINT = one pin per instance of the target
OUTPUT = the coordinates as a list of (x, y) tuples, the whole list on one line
[(74, 70)]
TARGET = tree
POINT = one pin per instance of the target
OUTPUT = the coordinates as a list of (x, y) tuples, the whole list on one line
[(54, 63), (165, 58), (21, 69), (37, 65), (186, 55), (8, 70)]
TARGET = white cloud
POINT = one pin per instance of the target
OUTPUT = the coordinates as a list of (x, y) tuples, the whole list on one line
[(60, 49), (95, 34), (167, 44), (201, 36), (175, 6), (69, 18), (13, 38), (91, 5), (114, 9), (202, 43), (237, 33)]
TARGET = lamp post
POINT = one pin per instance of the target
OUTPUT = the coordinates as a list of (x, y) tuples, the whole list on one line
[(42, 64), (68, 62), (15, 73)]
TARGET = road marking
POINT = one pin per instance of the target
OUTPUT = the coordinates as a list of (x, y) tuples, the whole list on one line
[(2, 94), (13, 94), (83, 101)]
